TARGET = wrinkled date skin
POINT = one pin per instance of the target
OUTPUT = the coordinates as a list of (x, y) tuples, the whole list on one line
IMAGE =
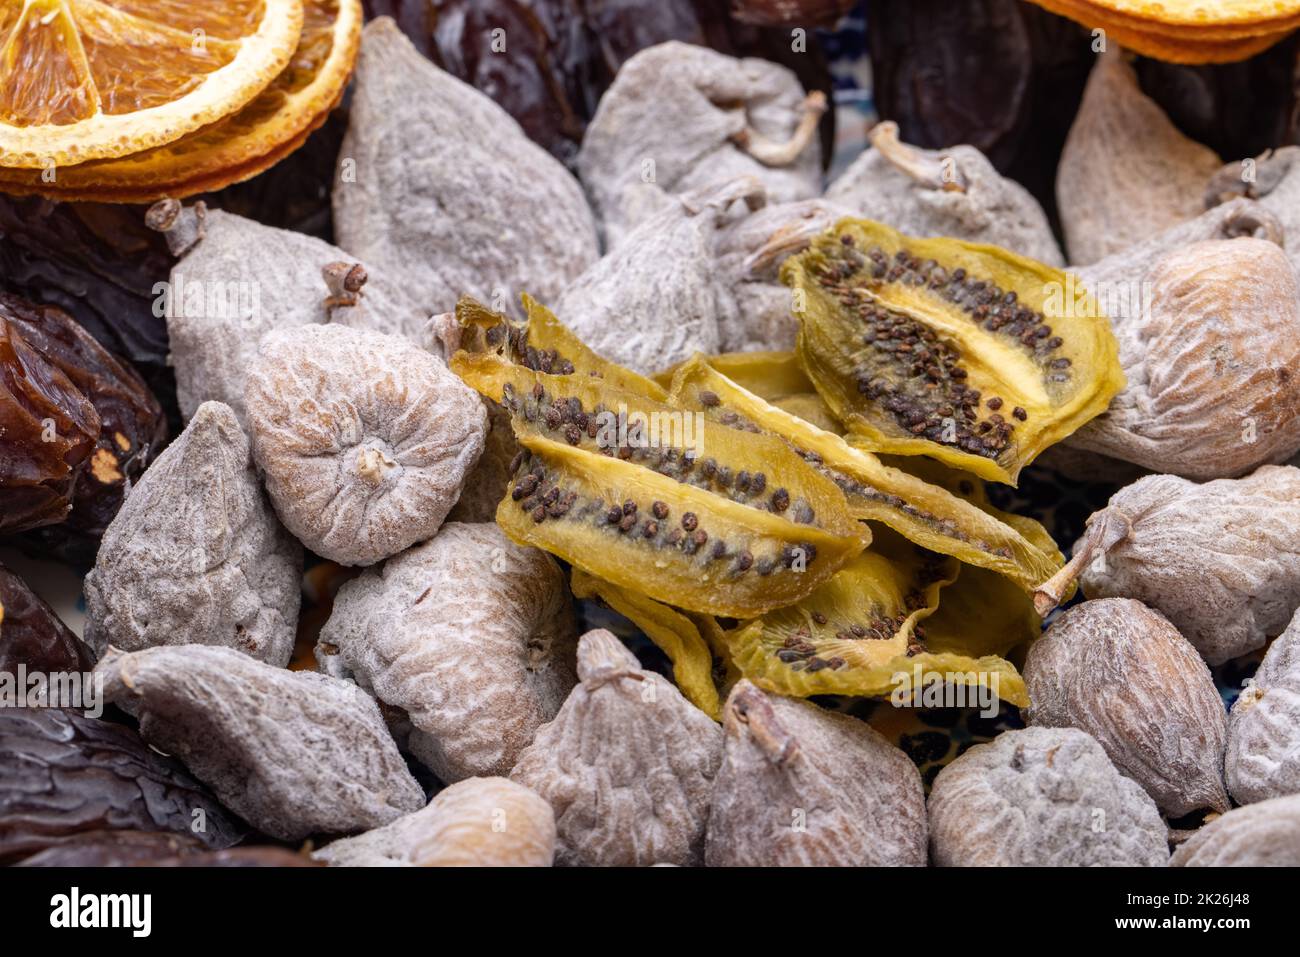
[(32, 635), (62, 774)]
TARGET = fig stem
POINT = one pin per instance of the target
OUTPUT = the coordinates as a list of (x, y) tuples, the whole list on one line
[(770, 153), (748, 188), (787, 241), (344, 282), (1105, 530), (926, 170), (183, 226), (751, 708)]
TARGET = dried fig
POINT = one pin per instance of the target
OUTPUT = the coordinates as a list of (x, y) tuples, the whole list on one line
[(239, 280), (478, 822), (196, 555), (952, 192), (1123, 673), (627, 765), (680, 117), (31, 634), (1210, 360), (806, 787), (293, 752), (1274, 180), (1219, 560), (943, 348), (470, 635), (63, 775), (440, 187), (1042, 797), (1266, 834), (1263, 757), (364, 440), (1126, 173)]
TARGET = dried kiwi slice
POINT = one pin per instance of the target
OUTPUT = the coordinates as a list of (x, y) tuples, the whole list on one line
[(926, 513), (776, 377), (671, 541), (961, 351), (544, 344), (868, 630), (695, 668)]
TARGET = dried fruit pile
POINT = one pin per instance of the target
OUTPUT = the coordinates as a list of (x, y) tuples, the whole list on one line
[(508, 416)]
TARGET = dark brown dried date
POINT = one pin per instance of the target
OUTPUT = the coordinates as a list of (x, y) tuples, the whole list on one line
[(132, 428), (115, 849), (32, 635), (63, 774)]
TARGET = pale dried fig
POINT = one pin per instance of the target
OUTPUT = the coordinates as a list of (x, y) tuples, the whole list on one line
[(470, 635), (1126, 172), (1263, 758), (441, 188), (802, 786), (196, 555), (1042, 797), (1220, 560), (1274, 180), (1210, 358), (628, 764), (1123, 673), (478, 822), (239, 280), (364, 440), (680, 117), (1266, 834), (954, 192), (292, 752)]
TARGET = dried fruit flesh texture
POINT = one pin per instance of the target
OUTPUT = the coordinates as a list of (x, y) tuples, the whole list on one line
[(1219, 560), (953, 192), (628, 765), (478, 822), (1042, 797), (470, 636), (1126, 172), (65, 775), (1210, 361), (293, 752), (446, 192), (31, 634), (1123, 673), (806, 787), (48, 431), (486, 483), (1263, 757), (696, 670), (1266, 834), (948, 349), (132, 427), (913, 506), (244, 280), (680, 117), (196, 555), (363, 439), (87, 80), (114, 849), (543, 344)]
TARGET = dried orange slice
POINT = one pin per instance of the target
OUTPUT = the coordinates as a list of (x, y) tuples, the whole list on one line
[(92, 79), (237, 147)]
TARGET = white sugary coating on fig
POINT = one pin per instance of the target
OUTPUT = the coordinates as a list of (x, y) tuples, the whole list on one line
[(1266, 834), (1121, 672), (440, 187), (196, 555), (1212, 363), (294, 753), (1126, 172), (244, 279), (469, 634), (628, 764), (478, 822), (1263, 758), (678, 117), (1220, 560), (364, 440), (803, 786), (953, 192), (1042, 797)]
